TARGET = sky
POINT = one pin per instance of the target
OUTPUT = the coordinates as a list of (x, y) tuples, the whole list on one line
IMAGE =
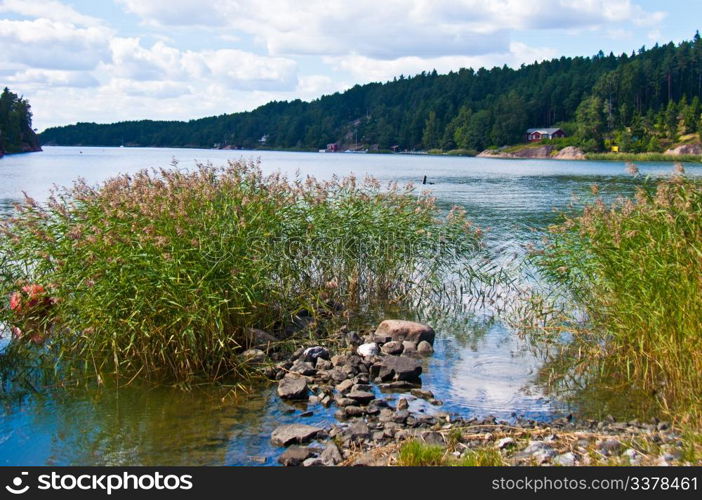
[(111, 60)]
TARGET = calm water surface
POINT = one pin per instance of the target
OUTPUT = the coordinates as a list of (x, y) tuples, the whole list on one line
[(479, 368)]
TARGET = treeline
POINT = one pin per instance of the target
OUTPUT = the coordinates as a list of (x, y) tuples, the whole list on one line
[(16, 133), (641, 101)]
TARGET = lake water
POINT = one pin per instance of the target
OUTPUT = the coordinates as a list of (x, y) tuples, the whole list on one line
[(480, 366)]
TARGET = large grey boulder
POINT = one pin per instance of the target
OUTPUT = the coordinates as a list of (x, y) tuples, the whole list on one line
[(294, 433), (400, 330), (399, 368), (293, 387)]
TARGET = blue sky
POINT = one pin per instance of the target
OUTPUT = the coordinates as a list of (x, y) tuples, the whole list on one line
[(109, 60)]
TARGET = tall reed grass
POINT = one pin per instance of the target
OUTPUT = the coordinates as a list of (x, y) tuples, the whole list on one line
[(162, 273), (644, 157), (635, 269)]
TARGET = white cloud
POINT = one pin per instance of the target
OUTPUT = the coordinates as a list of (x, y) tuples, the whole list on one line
[(48, 9), (235, 68), (49, 44), (390, 29), (54, 78), (366, 69)]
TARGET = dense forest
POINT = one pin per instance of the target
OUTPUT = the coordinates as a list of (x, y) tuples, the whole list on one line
[(642, 101), (16, 134)]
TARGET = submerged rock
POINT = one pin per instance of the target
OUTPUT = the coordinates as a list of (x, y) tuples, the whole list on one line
[(422, 394)]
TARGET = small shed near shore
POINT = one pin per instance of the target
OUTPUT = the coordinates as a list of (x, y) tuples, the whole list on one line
[(538, 134)]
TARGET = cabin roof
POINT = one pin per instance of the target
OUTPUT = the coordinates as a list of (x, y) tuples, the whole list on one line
[(543, 130)]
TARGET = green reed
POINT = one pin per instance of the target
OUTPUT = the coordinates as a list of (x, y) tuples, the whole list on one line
[(161, 274), (644, 157), (635, 268)]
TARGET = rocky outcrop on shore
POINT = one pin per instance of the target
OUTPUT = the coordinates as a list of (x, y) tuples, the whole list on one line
[(374, 381), (24, 148), (538, 152), (685, 149), (570, 153)]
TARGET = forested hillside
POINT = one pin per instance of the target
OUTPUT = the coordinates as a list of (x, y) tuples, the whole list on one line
[(16, 134), (642, 101)]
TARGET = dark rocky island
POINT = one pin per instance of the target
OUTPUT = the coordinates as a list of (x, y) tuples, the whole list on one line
[(16, 133)]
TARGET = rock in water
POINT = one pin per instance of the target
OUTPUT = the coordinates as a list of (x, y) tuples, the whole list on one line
[(424, 348), (370, 349), (409, 348), (422, 393), (400, 330), (293, 387), (393, 347), (294, 433), (294, 455), (345, 386), (400, 368), (361, 397)]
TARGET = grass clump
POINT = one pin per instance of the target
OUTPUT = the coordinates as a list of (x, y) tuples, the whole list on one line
[(161, 274), (417, 454), (643, 157), (635, 268), (484, 457)]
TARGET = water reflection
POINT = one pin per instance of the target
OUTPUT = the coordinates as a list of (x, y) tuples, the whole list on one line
[(480, 366)]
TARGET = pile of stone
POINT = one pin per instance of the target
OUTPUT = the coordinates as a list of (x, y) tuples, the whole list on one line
[(389, 359), (362, 381)]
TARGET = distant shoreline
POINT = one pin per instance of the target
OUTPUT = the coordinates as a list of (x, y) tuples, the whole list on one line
[(489, 154)]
